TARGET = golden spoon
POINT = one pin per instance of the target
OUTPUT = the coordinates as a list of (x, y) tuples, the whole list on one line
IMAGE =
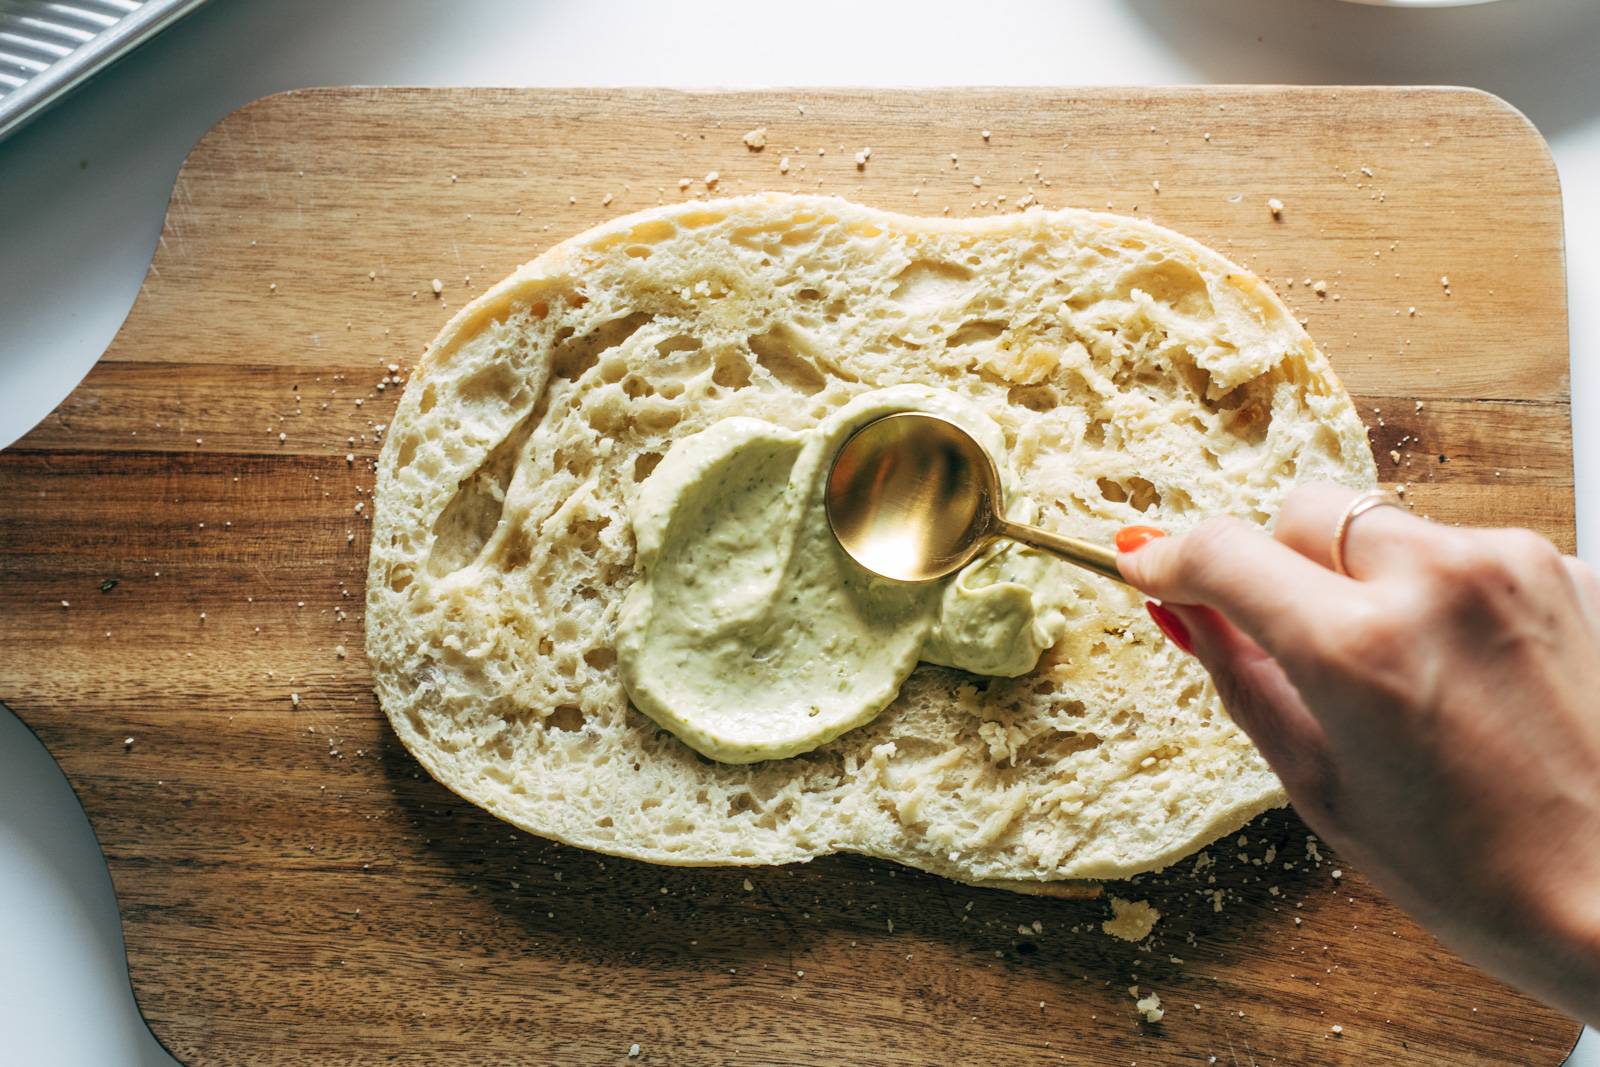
[(913, 497)]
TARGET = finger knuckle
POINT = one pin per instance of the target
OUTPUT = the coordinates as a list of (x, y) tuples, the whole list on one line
[(1206, 548), (1582, 575), (1532, 553), (1467, 563), (1488, 569)]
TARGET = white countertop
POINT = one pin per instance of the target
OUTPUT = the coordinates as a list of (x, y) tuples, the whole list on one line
[(83, 191)]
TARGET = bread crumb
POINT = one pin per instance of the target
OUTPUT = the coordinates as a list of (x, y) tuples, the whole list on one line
[(711, 179), (294, 698), (1131, 920), (1336, 1029), (438, 287), (984, 134), (684, 183), (633, 1051), (783, 165), (1337, 873), (339, 651), (1150, 1005), (756, 139), (862, 157), (605, 201), (1275, 206), (977, 182), (127, 742), (1156, 185), (1319, 287)]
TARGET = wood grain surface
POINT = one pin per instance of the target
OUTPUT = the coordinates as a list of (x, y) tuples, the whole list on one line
[(183, 543)]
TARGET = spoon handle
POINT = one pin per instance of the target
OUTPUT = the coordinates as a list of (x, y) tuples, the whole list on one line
[(1075, 550)]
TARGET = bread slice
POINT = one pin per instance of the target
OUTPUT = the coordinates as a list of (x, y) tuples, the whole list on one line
[(1137, 376)]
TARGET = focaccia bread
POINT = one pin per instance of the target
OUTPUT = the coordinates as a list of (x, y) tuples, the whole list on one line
[(1138, 377)]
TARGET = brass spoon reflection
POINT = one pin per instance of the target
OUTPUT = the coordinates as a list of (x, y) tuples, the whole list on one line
[(913, 497)]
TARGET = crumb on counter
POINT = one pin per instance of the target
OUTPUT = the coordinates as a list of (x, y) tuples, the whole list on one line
[(756, 139), (1275, 206), (438, 286)]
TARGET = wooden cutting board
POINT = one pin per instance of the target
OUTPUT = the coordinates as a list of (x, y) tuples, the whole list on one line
[(183, 542)]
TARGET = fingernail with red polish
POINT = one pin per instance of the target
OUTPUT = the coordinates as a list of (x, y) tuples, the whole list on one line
[(1130, 538), (1170, 625)]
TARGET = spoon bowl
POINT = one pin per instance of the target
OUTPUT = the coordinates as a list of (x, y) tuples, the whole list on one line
[(914, 497)]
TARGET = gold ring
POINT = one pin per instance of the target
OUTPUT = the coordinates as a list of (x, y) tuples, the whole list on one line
[(1373, 498)]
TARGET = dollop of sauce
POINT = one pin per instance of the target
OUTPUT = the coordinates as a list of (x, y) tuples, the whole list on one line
[(751, 635)]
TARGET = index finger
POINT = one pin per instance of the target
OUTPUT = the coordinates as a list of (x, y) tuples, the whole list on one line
[(1264, 587)]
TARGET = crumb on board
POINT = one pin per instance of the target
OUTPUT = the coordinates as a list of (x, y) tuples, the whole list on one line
[(438, 286), (783, 165), (712, 178), (756, 139), (1149, 1005), (862, 157), (1275, 206), (633, 1051), (1131, 920)]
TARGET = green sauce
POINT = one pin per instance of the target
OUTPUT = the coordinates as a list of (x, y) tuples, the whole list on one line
[(751, 635)]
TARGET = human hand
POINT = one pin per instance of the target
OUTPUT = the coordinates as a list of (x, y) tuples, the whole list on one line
[(1435, 714)]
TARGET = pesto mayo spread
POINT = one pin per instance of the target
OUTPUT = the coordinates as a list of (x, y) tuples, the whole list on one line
[(751, 635)]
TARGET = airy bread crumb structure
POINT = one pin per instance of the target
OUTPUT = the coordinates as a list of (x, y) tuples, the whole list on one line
[(1137, 376)]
